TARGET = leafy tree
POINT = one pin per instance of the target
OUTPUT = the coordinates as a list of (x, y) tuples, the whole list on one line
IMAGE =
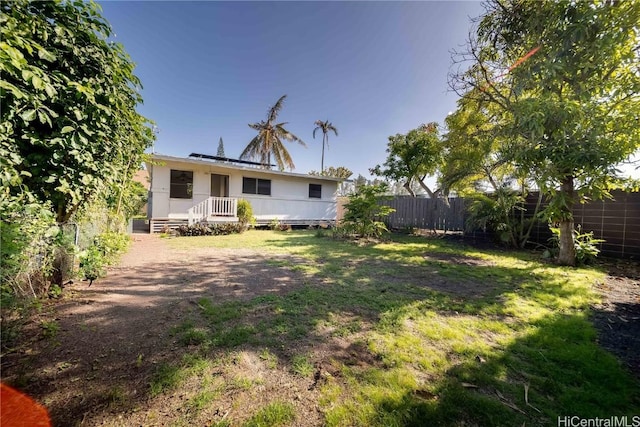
[(269, 140), (325, 127), (69, 131), (473, 158), (68, 124), (339, 172), (128, 201), (564, 82), (475, 162), (412, 157), (220, 152)]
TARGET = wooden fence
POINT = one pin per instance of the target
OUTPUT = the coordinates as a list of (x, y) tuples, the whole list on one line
[(431, 214), (615, 221)]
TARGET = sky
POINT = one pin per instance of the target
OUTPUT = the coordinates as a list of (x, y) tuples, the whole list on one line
[(373, 69)]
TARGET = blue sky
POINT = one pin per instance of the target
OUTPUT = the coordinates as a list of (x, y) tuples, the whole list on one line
[(373, 69)]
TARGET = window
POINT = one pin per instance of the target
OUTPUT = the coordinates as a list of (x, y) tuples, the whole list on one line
[(315, 191), (181, 184), (256, 186)]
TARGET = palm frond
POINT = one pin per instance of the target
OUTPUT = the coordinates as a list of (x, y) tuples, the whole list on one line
[(285, 134), (256, 126), (252, 150), (273, 111)]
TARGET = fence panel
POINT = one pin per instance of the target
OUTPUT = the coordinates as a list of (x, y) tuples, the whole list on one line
[(616, 221), (432, 214)]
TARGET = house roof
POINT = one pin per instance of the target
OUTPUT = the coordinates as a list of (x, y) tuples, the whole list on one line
[(226, 165), (227, 159)]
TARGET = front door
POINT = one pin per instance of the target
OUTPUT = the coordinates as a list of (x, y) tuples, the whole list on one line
[(219, 185)]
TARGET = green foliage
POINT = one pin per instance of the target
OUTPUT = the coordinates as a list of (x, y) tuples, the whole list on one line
[(268, 142), (128, 201), (245, 213), (165, 378), (559, 85), (92, 263), (586, 246), (55, 291), (50, 328), (412, 157), (333, 172), (474, 149), (112, 245), (364, 212), (499, 213), (27, 230), (68, 124), (211, 229), (105, 251)]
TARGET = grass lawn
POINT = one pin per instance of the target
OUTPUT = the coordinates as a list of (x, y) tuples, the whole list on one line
[(412, 331)]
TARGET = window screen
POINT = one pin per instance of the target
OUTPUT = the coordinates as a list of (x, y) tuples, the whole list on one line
[(315, 191), (256, 186), (181, 184)]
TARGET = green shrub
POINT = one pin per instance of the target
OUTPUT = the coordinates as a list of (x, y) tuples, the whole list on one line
[(364, 213), (27, 233), (92, 263), (112, 245), (211, 229), (105, 251), (193, 230), (584, 244), (499, 214), (245, 213)]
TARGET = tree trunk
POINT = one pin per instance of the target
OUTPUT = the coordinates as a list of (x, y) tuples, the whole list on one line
[(407, 186), (567, 255), (322, 161), (433, 195)]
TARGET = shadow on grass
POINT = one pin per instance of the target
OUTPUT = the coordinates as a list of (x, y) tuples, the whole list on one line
[(556, 366), (326, 301)]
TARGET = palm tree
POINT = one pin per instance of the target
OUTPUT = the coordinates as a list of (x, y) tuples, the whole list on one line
[(325, 126), (269, 140)]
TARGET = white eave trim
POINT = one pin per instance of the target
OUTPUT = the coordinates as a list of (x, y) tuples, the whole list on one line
[(202, 162)]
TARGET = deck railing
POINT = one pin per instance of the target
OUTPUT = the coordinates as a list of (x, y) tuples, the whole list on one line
[(212, 207)]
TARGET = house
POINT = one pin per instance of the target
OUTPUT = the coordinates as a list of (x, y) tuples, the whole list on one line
[(207, 188)]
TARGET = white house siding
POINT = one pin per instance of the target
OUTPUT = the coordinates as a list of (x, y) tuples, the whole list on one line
[(289, 199), (165, 207)]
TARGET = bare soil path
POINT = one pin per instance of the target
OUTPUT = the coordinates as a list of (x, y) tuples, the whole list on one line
[(95, 366)]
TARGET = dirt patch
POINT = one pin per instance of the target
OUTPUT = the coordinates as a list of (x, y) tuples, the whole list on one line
[(458, 259), (94, 363), (617, 318)]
